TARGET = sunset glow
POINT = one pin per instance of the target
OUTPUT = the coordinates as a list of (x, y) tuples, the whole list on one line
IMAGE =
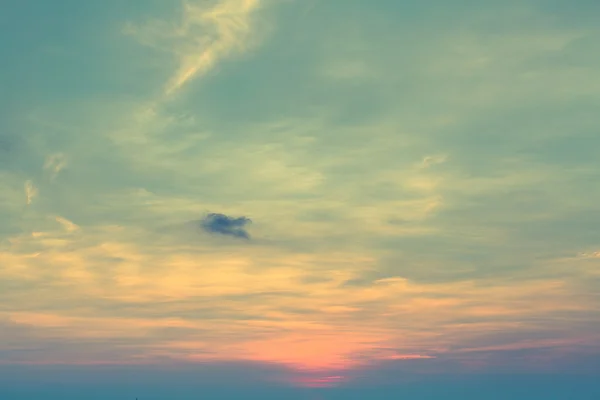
[(304, 194)]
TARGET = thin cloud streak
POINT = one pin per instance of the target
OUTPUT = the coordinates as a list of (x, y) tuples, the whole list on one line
[(231, 19), (31, 192), (204, 36), (54, 164)]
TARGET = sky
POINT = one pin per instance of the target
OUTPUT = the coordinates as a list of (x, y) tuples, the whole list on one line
[(300, 199)]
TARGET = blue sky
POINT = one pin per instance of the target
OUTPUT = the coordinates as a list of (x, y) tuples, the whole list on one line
[(323, 192)]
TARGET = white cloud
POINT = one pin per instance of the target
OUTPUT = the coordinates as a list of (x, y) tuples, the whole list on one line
[(54, 164)]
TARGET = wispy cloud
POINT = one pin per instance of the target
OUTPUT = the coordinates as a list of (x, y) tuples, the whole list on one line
[(54, 164), (68, 225), (30, 192), (203, 36)]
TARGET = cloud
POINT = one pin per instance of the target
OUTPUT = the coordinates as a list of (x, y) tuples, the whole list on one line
[(328, 164), (429, 161), (224, 225), (66, 224), (231, 21), (54, 164), (202, 37), (30, 192)]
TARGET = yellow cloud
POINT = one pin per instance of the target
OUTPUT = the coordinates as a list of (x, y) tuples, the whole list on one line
[(68, 225), (277, 306), (204, 36)]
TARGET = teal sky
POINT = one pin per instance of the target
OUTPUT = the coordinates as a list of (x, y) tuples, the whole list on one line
[(421, 180)]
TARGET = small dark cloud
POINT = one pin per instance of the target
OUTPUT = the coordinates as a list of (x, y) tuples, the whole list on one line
[(225, 225)]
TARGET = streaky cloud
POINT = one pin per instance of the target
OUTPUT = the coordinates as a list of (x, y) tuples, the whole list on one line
[(30, 192), (203, 37)]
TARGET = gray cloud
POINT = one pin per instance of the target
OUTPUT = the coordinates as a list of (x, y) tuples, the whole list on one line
[(225, 225)]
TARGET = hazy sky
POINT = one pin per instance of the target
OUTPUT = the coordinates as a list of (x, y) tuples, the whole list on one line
[(300, 193)]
